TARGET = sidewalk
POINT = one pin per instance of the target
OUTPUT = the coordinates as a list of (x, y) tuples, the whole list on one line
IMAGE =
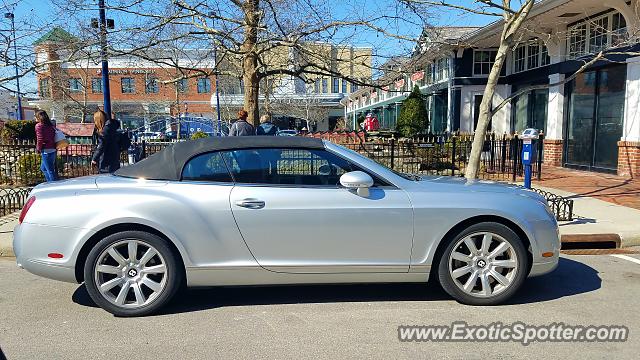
[(603, 203), (7, 223), (610, 188)]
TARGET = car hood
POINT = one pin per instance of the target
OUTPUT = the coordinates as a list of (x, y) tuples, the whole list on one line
[(461, 184)]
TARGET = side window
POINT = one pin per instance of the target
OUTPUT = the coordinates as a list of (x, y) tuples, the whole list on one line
[(288, 167), (206, 167)]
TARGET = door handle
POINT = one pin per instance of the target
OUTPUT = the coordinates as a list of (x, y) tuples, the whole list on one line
[(250, 203)]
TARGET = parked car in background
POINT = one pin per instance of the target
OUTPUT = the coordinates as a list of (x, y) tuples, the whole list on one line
[(280, 210), (285, 132)]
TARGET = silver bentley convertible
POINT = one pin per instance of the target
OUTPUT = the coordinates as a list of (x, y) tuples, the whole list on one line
[(280, 210)]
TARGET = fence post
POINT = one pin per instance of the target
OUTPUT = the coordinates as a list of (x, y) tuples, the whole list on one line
[(393, 160), (453, 155), (144, 150), (514, 155), (540, 154)]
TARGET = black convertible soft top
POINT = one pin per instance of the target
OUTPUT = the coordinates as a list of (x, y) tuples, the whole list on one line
[(168, 163)]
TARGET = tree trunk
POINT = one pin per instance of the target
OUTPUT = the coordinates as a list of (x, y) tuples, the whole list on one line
[(485, 113), (250, 60), (512, 24)]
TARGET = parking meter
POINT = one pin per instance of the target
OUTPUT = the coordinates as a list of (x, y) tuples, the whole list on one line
[(528, 151)]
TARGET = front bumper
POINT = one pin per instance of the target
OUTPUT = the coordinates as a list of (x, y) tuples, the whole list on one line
[(542, 268)]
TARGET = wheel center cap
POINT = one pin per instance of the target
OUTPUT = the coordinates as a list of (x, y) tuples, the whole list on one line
[(132, 272), (481, 263)]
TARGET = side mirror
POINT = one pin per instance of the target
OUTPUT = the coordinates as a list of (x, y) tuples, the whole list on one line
[(359, 180)]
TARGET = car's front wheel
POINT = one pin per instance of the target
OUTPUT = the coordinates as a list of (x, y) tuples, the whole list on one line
[(483, 265), (131, 273)]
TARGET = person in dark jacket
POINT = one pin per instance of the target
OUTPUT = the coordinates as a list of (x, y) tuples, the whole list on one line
[(46, 145), (107, 154), (241, 127), (266, 127)]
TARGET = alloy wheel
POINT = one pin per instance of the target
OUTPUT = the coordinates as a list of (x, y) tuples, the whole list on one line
[(130, 273), (483, 264)]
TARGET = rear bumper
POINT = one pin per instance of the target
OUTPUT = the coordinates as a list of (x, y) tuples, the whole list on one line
[(49, 270), (32, 244)]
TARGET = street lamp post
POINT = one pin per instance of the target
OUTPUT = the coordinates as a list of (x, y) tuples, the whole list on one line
[(15, 54), (215, 61), (106, 92)]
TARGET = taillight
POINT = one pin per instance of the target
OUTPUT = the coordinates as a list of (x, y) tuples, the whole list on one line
[(26, 208)]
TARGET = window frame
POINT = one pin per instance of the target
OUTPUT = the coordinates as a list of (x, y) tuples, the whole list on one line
[(182, 86), (77, 81), (610, 35), (207, 85), (44, 87), (384, 183), (151, 85), (492, 59), (96, 89), (131, 85)]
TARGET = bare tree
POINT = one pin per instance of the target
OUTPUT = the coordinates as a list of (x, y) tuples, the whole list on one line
[(253, 34)]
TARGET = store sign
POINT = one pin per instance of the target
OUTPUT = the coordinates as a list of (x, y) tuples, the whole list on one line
[(399, 83), (127, 71), (417, 76)]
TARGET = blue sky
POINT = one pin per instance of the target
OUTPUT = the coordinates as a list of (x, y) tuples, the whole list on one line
[(31, 14)]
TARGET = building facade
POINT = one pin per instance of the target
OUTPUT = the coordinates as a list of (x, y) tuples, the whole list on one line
[(143, 93), (590, 120), (146, 92)]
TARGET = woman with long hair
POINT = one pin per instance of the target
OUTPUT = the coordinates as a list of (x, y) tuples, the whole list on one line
[(46, 145), (107, 154)]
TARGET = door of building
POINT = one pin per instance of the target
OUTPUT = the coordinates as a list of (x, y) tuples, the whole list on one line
[(595, 115)]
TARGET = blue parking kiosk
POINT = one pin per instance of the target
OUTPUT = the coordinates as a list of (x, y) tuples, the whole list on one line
[(528, 151)]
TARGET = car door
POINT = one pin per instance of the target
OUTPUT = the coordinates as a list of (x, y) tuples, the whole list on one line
[(295, 218)]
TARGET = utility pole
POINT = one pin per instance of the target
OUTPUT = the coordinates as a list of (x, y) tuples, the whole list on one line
[(15, 54), (215, 61)]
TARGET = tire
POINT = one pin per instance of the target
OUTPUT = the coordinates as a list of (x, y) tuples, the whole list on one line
[(132, 287), (483, 276)]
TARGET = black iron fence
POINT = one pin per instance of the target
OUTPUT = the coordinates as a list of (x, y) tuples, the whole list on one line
[(12, 199), (443, 154), (433, 154), (20, 162)]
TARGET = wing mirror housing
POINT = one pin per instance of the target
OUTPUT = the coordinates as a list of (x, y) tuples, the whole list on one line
[(358, 180)]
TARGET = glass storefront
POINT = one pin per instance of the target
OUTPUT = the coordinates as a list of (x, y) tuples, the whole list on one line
[(595, 115), (530, 110)]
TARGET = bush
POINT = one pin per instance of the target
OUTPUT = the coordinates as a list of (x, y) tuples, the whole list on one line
[(29, 168), (18, 130), (199, 135), (413, 115)]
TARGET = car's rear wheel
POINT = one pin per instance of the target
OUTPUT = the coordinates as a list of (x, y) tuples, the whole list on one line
[(131, 273), (483, 265)]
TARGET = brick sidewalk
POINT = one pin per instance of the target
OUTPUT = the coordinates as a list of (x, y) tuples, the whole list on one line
[(606, 187)]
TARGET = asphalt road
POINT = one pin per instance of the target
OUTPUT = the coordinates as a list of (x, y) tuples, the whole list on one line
[(43, 319)]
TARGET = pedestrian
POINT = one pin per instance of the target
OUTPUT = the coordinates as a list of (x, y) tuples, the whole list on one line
[(266, 127), (241, 127), (46, 145), (107, 153)]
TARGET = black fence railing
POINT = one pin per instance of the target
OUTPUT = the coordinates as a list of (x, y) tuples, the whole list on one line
[(434, 154), (561, 206), (12, 199), (20, 163), (444, 154)]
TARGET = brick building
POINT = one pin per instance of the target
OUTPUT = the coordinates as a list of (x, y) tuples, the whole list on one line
[(142, 92), (146, 93)]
